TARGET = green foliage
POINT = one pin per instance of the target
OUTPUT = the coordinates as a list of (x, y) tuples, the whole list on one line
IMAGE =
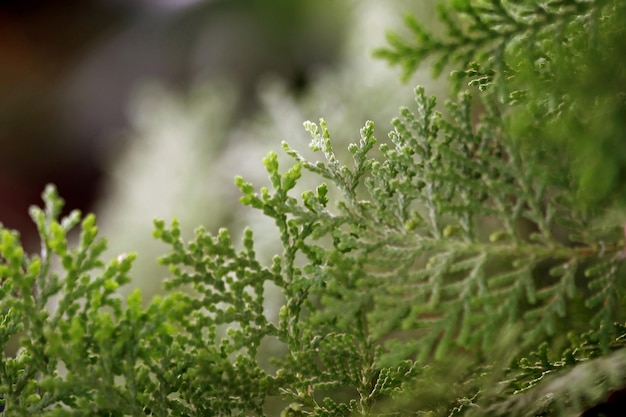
[(436, 274), (563, 60)]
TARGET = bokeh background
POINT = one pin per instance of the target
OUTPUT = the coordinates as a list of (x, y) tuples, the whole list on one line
[(139, 109)]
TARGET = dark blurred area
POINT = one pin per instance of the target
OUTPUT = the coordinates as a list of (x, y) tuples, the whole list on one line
[(68, 68), (40, 43)]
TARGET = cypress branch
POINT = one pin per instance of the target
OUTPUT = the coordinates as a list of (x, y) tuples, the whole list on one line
[(437, 272)]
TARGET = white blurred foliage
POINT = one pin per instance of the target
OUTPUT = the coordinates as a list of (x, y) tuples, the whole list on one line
[(167, 170), (183, 153)]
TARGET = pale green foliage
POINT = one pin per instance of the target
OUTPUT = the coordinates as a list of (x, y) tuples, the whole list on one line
[(564, 60), (455, 273), (87, 333)]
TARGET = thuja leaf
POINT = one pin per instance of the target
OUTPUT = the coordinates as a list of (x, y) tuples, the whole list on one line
[(221, 321), (443, 175), (442, 279), (486, 34), (404, 273), (84, 335), (567, 392)]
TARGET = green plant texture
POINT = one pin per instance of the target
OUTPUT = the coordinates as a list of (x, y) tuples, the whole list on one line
[(471, 264)]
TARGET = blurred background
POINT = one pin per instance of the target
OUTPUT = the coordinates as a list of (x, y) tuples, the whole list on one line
[(139, 109)]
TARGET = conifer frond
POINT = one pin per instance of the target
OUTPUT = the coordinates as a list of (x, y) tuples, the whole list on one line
[(488, 33), (415, 251), (434, 275), (546, 55), (70, 355), (227, 291), (565, 393)]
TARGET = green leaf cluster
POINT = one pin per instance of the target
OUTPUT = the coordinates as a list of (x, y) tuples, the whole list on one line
[(561, 62), (462, 267)]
